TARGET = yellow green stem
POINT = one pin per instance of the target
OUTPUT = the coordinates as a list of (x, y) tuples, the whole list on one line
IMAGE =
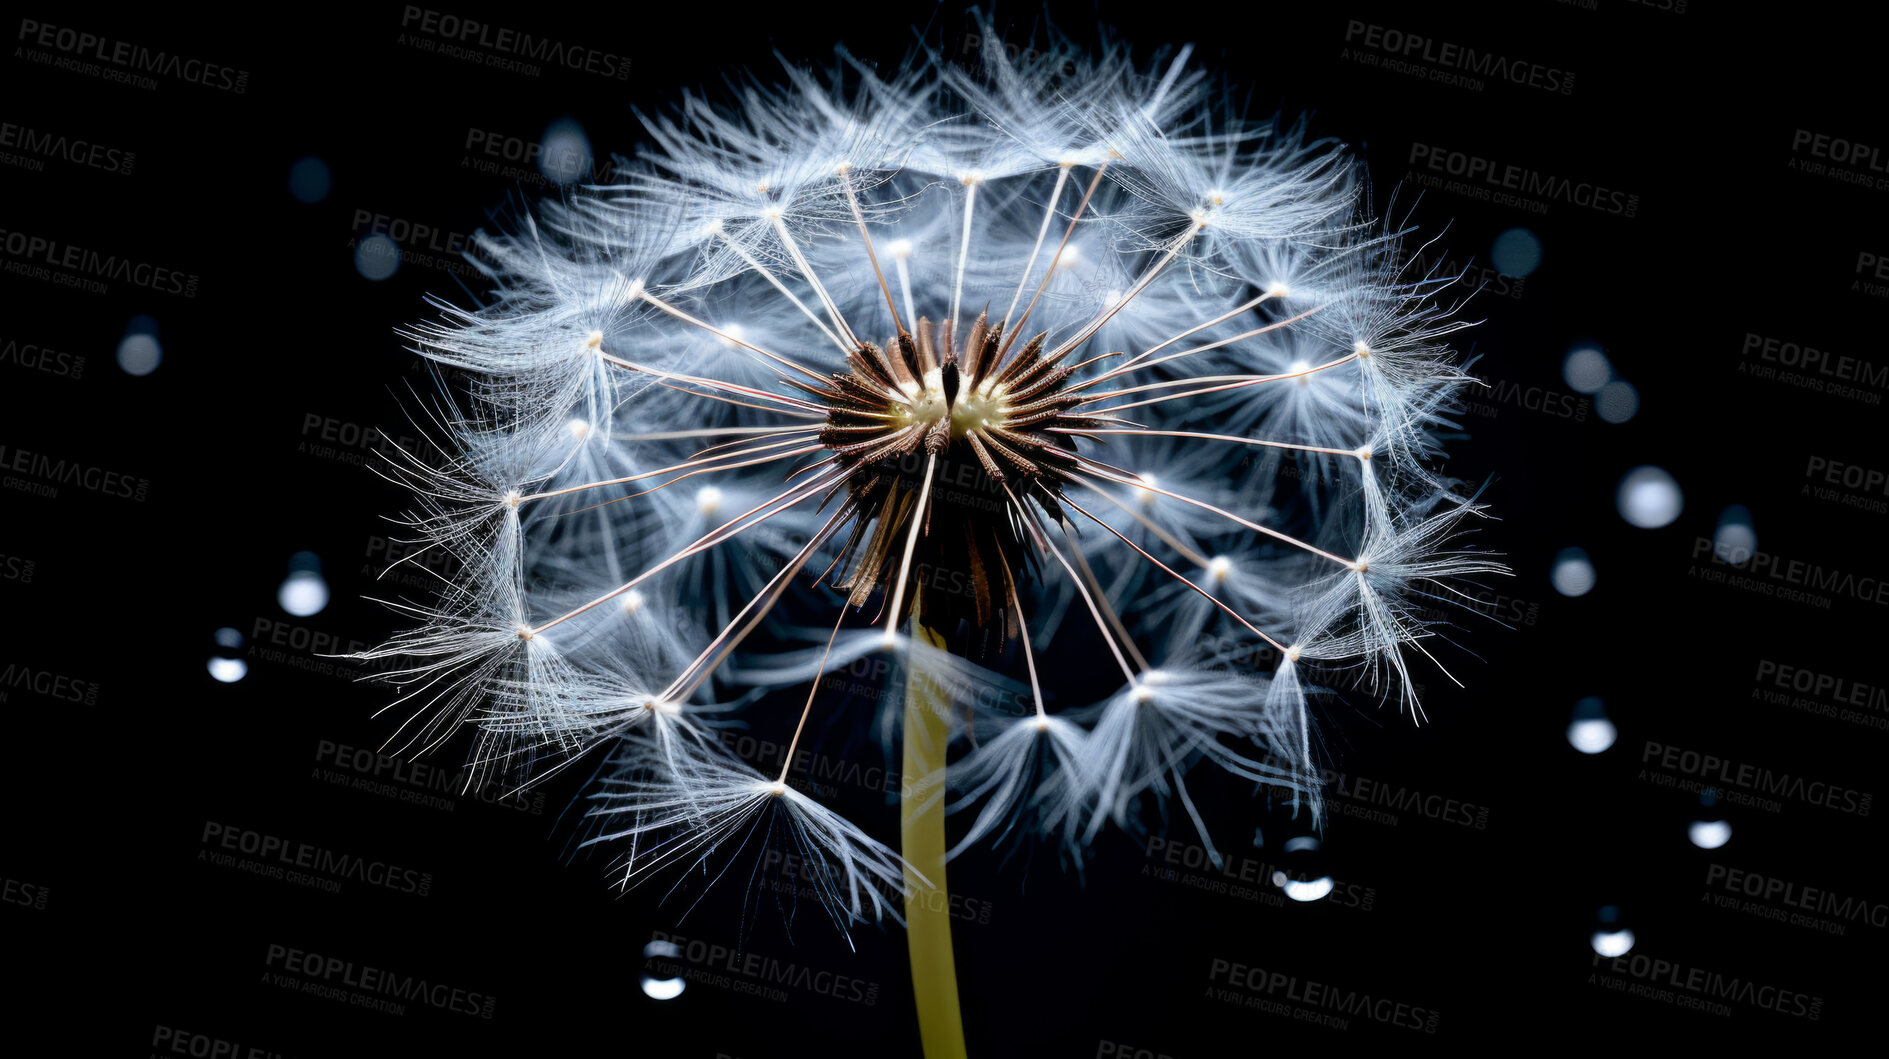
[(922, 838)]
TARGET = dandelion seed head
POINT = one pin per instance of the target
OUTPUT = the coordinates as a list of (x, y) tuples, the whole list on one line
[(996, 353)]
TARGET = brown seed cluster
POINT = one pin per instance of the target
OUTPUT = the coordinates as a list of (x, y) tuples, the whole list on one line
[(996, 432)]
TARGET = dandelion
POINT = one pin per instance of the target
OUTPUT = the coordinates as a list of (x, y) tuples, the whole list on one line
[(940, 368)]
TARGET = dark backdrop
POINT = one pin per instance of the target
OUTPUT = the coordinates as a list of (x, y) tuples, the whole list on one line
[(1737, 225)]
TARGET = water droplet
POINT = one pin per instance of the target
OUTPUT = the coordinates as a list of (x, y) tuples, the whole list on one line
[(1301, 872), (1649, 498), (1611, 943), (1735, 540), (227, 664), (1573, 573), (1611, 937), (303, 592), (666, 985), (1590, 731), (1710, 829)]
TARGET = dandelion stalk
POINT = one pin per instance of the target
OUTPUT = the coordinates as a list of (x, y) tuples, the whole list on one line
[(922, 844)]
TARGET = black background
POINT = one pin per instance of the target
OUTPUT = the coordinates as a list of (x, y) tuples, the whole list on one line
[(1692, 111)]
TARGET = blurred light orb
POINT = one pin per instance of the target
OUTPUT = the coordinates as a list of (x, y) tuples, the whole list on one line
[(1612, 943), (1617, 401), (566, 156), (1573, 573), (1611, 937), (1709, 834), (1587, 370), (310, 180), (1308, 881), (1591, 732), (662, 988), (1735, 541), (1303, 889), (140, 354), (1516, 252), (225, 665), (376, 257), (303, 593), (1592, 736), (1649, 498)]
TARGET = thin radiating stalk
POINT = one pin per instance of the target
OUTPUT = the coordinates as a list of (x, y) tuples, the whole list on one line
[(1128, 478), (964, 247), (1049, 214)]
